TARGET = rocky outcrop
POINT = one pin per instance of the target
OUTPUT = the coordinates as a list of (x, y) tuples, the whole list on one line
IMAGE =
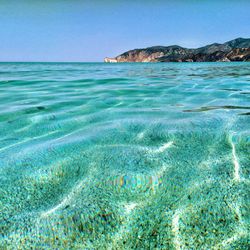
[(235, 50), (110, 60)]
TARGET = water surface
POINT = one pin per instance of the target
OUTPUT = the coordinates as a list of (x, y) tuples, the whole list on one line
[(124, 156)]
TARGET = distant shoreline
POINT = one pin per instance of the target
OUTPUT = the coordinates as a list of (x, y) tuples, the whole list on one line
[(231, 51)]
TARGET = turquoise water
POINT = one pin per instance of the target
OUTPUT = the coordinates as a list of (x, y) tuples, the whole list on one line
[(124, 156)]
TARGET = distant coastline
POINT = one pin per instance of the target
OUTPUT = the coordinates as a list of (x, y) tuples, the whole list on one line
[(231, 51)]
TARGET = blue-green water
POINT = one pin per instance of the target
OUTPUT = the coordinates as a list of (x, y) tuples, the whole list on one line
[(124, 156)]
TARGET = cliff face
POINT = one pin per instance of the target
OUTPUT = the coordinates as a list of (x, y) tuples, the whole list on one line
[(235, 50)]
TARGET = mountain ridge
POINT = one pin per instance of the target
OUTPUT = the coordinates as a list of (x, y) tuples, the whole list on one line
[(234, 50)]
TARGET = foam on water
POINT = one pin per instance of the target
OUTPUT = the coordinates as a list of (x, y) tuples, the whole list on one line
[(124, 156)]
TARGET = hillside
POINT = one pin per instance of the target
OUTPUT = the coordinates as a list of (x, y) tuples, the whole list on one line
[(234, 50)]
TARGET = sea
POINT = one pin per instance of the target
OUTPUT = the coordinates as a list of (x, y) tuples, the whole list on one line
[(125, 156)]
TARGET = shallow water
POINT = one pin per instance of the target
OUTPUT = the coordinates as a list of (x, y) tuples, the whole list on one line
[(124, 156)]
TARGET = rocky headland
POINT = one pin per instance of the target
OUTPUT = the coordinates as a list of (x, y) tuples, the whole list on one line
[(234, 50)]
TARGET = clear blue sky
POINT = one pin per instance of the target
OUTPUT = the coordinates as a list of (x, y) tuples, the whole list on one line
[(75, 30)]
